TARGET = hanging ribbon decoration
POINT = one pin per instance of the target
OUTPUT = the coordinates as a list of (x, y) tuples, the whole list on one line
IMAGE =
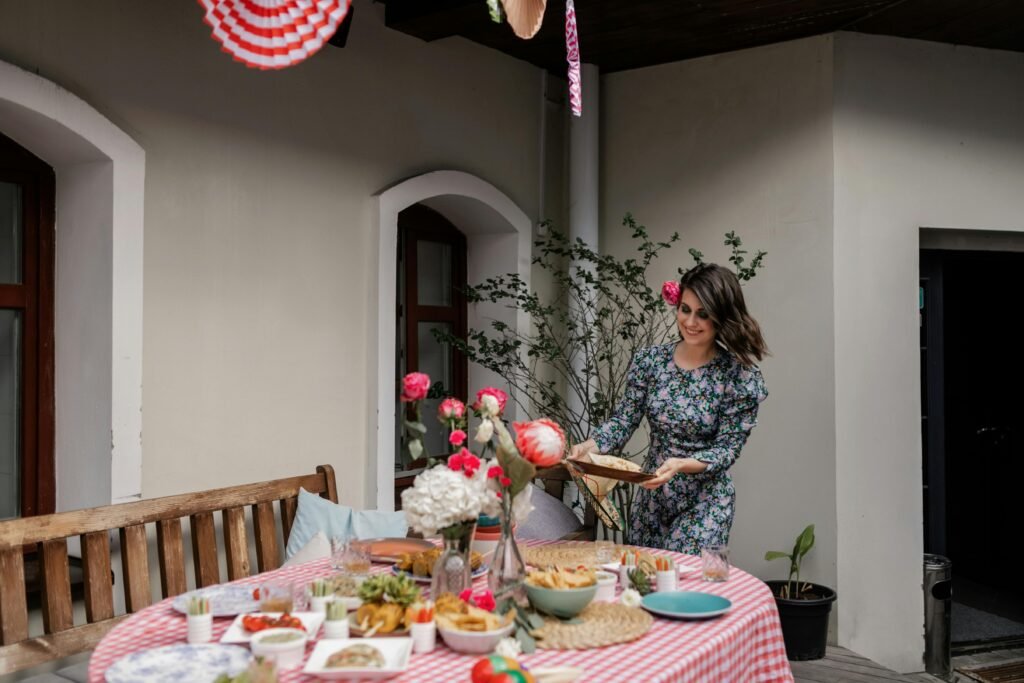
[(572, 55), (273, 34)]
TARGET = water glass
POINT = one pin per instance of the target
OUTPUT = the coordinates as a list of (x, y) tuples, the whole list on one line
[(277, 596), (715, 563), (605, 552), (355, 559), (337, 552)]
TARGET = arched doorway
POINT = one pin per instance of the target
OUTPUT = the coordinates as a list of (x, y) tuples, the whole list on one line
[(498, 240)]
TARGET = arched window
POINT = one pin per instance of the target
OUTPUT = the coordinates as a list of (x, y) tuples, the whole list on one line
[(26, 333)]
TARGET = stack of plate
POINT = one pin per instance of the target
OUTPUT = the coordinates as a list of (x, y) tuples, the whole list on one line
[(488, 531)]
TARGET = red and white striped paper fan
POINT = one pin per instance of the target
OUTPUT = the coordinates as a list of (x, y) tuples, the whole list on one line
[(273, 34)]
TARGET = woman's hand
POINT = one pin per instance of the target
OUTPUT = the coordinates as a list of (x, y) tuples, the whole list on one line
[(582, 451), (671, 467)]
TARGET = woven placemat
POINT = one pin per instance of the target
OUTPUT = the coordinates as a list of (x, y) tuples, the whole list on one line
[(600, 624), (574, 554)]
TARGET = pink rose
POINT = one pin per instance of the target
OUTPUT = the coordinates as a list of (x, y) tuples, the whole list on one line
[(541, 442), (451, 409), (415, 386), (498, 394), (670, 292), (457, 437)]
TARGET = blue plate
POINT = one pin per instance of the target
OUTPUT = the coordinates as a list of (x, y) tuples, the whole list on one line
[(685, 605)]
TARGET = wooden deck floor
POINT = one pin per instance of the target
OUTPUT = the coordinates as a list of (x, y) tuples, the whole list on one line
[(843, 666)]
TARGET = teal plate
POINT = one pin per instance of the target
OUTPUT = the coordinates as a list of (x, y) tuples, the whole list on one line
[(685, 605)]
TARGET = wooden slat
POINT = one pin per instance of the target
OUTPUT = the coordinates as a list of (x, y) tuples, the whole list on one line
[(99, 594), (236, 543), (57, 611), (56, 646), (266, 536), (31, 530), (204, 549), (287, 506), (330, 487), (13, 610), (135, 563), (171, 553)]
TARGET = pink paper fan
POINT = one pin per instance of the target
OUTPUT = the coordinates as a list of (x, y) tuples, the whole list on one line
[(273, 34)]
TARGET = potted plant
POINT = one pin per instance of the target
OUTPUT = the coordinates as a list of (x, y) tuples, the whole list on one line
[(804, 607)]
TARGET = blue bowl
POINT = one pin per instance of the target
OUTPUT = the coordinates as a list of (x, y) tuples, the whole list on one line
[(561, 602), (485, 521)]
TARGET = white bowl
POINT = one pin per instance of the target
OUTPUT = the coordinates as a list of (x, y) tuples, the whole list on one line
[(606, 582), (286, 655), (475, 642)]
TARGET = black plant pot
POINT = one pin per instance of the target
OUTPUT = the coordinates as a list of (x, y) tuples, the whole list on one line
[(804, 621)]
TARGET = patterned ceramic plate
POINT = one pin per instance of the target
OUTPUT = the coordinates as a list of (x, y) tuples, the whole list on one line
[(686, 605), (225, 601), (480, 571), (179, 664)]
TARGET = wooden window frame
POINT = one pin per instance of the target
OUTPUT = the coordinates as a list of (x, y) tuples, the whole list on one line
[(34, 297)]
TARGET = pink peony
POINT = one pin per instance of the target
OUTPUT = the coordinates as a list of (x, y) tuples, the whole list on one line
[(541, 442), (670, 292), (498, 394), (451, 409), (457, 437), (415, 386)]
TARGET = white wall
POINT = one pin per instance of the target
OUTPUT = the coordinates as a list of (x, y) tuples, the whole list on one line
[(742, 142), (260, 253), (926, 135)]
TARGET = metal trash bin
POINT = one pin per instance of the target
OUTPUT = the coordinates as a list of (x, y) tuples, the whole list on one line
[(938, 606)]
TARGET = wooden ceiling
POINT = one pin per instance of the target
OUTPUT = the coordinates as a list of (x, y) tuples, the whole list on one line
[(627, 34)]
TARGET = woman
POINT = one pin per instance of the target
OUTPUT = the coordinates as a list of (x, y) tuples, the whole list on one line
[(700, 396)]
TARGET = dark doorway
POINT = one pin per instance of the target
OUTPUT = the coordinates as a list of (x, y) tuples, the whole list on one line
[(973, 433)]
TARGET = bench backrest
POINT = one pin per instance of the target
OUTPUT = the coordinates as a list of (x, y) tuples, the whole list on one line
[(49, 534)]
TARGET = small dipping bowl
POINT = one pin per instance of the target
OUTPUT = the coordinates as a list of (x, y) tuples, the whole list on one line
[(606, 582), (285, 646)]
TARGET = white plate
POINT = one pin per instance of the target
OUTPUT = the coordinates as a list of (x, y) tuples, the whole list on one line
[(225, 601), (426, 579), (396, 659), (179, 664), (236, 633)]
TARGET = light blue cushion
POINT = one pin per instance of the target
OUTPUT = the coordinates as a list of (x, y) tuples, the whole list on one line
[(379, 524), (314, 514)]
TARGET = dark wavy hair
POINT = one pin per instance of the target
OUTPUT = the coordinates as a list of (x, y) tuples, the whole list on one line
[(719, 291)]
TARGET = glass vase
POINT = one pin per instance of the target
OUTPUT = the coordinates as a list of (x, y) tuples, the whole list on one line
[(452, 572), (507, 574)]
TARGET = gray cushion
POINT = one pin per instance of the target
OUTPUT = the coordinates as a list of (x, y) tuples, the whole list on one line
[(550, 520), (79, 673)]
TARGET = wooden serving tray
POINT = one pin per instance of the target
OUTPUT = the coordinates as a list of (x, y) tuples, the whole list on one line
[(609, 472)]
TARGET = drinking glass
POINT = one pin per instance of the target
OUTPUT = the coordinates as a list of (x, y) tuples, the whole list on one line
[(277, 596), (715, 563), (355, 560), (338, 545), (605, 552)]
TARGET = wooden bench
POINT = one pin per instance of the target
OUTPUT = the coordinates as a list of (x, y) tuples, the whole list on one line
[(48, 536)]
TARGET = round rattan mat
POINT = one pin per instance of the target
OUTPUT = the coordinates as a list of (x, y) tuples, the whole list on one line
[(574, 554), (600, 624)]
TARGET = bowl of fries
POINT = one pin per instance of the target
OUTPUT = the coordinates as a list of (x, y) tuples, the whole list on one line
[(467, 628), (561, 592)]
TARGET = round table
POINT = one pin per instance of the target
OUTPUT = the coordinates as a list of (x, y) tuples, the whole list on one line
[(744, 645)]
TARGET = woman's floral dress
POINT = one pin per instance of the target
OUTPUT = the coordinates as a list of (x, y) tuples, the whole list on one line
[(706, 413)]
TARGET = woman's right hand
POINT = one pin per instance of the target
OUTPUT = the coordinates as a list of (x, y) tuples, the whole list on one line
[(582, 451)]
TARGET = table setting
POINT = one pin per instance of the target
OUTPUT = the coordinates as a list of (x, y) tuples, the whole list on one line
[(458, 606)]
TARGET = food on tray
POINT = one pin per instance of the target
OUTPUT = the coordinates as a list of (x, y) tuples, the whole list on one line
[(561, 578), (358, 656), (454, 614), (343, 586), (385, 600), (260, 622), (283, 637), (422, 563)]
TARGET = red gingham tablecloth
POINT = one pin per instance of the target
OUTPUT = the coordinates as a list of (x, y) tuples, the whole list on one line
[(744, 645)]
